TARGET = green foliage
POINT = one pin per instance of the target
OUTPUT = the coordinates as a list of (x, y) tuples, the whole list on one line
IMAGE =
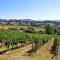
[(49, 29), (55, 46), (13, 37)]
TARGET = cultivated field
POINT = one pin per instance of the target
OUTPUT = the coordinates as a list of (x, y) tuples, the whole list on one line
[(16, 45)]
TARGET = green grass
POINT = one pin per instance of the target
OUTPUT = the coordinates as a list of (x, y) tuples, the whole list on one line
[(3, 48)]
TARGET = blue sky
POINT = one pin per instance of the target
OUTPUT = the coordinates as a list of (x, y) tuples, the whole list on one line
[(31, 9)]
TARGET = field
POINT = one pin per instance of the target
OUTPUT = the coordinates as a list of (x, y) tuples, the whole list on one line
[(28, 46), (19, 27)]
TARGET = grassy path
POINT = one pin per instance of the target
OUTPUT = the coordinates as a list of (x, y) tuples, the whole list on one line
[(46, 46), (44, 52)]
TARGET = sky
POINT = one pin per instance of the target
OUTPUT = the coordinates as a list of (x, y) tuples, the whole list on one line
[(30, 9)]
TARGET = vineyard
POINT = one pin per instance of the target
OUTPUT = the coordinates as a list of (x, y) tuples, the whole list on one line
[(12, 39)]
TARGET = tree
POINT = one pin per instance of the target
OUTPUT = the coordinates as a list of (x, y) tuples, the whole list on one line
[(49, 29)]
